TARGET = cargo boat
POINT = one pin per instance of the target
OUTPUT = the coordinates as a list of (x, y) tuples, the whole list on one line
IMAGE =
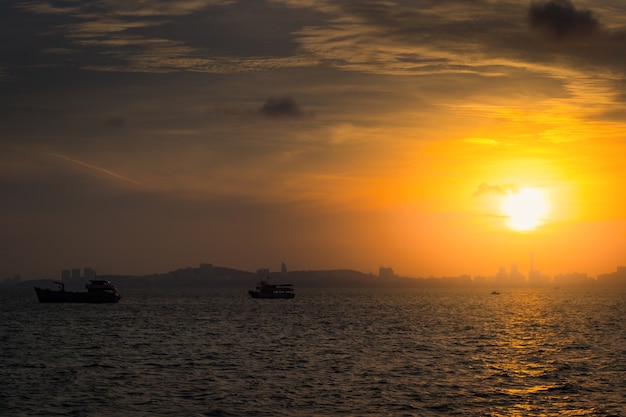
[(266, 290), (98, 291)]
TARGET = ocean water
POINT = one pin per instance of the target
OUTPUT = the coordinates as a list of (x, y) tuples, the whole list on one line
[(325, 353)]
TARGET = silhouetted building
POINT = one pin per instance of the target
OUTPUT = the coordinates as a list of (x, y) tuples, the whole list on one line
[(76, 274), (15, 280), (535, 277), (573, 278), (89, 273), (283, 268), (459, 280), (385, 272), (617, 278), (74, 279), (502, 277), (516, 277), (480, 280)]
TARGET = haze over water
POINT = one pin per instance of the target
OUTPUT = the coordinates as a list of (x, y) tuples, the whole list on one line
[(325, 353)]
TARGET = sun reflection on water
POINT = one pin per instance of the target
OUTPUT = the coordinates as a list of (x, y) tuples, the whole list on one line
[(525, 361)]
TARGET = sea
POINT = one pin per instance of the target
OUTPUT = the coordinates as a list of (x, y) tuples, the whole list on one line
[(327, 352)]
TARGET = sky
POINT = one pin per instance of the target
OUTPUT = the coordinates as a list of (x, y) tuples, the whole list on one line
[(145, 136)]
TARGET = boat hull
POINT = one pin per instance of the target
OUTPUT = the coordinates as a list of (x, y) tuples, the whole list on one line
[(51, 296)]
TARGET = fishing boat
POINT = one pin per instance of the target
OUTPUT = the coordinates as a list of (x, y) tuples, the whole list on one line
[(266, 290), (98, 291)]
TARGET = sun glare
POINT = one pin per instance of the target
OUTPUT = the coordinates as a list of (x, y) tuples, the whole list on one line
[(525, 209)]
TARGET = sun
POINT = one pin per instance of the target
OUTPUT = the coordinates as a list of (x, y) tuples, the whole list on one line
[(525, 209)]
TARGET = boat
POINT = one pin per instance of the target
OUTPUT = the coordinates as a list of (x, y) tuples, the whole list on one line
[(266, 290), (495, 293), (98, 291)]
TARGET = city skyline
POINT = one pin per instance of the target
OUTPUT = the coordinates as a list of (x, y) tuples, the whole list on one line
[(437, 137), (512, 276)]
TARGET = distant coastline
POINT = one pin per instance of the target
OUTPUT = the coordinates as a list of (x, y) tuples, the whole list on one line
[(209, 276)]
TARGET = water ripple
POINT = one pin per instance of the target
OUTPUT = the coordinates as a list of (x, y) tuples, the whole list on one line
[(353, 353)]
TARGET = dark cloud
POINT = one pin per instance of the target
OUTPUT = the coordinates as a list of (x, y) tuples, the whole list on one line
[(283, 108), (561, 20), (498, 189)]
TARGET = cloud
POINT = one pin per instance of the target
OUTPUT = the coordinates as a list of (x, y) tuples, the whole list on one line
[(499, 189), (561, 20), (283, 108), (427, 38)]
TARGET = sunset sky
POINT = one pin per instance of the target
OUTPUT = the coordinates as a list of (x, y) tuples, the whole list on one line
[(144, 136)]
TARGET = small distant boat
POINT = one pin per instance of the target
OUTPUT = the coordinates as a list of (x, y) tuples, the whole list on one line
[(98, 291), (266, 290), (495, 293)]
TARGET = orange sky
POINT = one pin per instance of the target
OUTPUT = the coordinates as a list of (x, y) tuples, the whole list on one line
[(330, 134)]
